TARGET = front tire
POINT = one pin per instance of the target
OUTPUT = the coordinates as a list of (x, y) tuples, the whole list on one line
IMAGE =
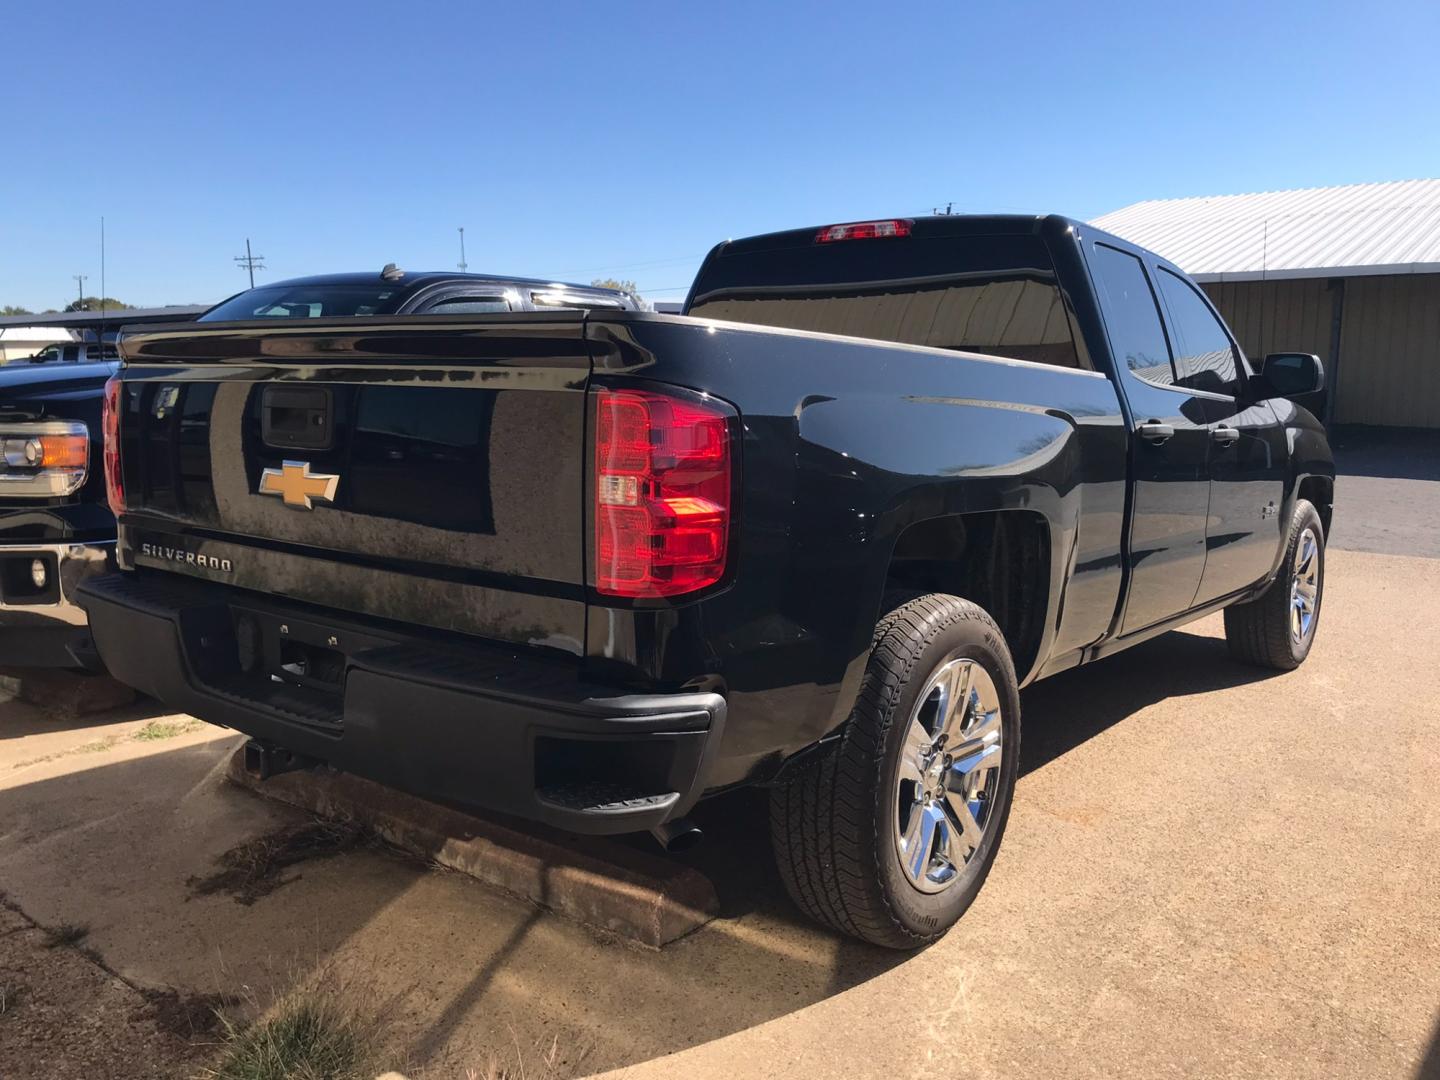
[(1277, 628), (889, 836)]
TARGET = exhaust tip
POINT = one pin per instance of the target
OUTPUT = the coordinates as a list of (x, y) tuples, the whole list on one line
[(677, 836)]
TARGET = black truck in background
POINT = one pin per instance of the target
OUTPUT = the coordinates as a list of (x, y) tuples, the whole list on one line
[(588, 566), (56, 529)]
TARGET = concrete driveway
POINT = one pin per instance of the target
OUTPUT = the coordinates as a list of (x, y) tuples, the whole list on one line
[(1209, 871), (1387, 486)]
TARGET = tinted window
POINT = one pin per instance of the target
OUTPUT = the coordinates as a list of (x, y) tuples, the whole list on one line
[(1204, 356), (1132, 316), (304, 302), (989, 294), (72, 352)]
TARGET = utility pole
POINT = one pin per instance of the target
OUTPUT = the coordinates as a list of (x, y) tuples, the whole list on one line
[(80, 291), (251, 262), (462, 263)]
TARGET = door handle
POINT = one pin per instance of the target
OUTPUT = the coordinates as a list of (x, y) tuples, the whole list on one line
[(1155, 432), (1225, 435)]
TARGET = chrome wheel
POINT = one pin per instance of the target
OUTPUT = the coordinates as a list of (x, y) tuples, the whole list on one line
[(949, 774), (1304, 586)]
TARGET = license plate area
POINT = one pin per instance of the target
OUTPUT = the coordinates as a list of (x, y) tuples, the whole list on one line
[(302, 653)]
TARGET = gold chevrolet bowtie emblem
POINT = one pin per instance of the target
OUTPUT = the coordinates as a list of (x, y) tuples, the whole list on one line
[(297, 485)]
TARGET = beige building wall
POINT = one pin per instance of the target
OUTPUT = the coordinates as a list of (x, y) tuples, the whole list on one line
[(1389, 370)]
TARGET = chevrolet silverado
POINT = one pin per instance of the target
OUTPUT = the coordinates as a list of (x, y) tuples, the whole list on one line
[(588, 565)]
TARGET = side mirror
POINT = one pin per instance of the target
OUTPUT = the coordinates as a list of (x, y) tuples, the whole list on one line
[(1289, 374)]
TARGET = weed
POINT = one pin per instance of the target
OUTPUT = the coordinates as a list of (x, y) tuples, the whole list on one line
[(66, 935)]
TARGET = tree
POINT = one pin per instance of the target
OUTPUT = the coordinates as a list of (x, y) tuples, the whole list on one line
[(94, 303), (611, 283), (11, 309)]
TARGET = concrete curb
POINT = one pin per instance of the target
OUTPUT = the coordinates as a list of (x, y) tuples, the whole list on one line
[(65, 695), (616, 888)]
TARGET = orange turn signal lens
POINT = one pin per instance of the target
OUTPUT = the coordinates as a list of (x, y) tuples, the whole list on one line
[(64, 451)]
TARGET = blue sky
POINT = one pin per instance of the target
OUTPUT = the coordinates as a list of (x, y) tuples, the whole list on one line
[(598, 139)]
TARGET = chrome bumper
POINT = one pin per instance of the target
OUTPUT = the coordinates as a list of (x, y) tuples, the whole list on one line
[(22, 603)]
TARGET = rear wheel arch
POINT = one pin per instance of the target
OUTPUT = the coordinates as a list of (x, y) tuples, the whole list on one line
[(998, 559)]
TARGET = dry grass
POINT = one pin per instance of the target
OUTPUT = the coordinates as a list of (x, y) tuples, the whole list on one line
[(166, 729), (545, 1062), (257, 867)]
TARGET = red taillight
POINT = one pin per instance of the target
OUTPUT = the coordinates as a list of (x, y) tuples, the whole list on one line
[(110, 425), (662, 493), (864, 230)]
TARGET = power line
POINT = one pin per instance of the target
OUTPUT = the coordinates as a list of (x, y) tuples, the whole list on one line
[(250, 262)]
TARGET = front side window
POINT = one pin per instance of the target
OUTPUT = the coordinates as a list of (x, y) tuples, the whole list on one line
[(1204, 355), (1132, 317)]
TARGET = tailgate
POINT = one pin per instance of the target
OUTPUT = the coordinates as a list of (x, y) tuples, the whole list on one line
[(427, 470)]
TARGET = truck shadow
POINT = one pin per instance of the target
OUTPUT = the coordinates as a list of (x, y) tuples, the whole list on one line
[(1430, 1064), (1069, 709)]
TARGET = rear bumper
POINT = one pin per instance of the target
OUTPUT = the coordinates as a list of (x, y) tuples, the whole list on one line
[(41, 625), (493, 728)]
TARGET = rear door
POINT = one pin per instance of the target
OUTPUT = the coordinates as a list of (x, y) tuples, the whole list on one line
[(1248, 454), (421, 469), (1169, 447)]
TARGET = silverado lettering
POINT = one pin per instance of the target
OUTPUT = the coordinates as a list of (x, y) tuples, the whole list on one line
[(187, 558), (590, 564)]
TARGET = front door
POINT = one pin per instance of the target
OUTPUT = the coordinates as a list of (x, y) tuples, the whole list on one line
[(1169, 449), (1248, 455)]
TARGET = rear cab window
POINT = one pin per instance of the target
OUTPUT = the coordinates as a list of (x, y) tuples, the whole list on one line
[(993, 294), (304, 302)]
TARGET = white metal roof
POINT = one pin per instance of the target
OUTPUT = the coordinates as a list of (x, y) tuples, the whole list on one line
[(1389, 228)]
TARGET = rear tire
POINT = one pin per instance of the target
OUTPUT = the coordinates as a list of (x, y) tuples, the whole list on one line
[(1277, 628), (889, 836)]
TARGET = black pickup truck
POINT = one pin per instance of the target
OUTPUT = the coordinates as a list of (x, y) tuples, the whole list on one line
[(586, 566), (55, 529)]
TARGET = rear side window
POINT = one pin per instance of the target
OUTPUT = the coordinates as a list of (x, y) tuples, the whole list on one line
[(72, 352), (1132, 317), (304, 302), (1204, 355), (986, 294), (467, 305)]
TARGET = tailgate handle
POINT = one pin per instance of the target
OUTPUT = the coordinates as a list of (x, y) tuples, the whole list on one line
[(296, 417)]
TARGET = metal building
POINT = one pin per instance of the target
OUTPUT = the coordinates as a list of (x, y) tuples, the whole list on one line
[(1349, 273)]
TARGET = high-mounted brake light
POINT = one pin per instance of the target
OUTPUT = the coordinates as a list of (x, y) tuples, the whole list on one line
[(864, 230), (110, 425), (662, 493)]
